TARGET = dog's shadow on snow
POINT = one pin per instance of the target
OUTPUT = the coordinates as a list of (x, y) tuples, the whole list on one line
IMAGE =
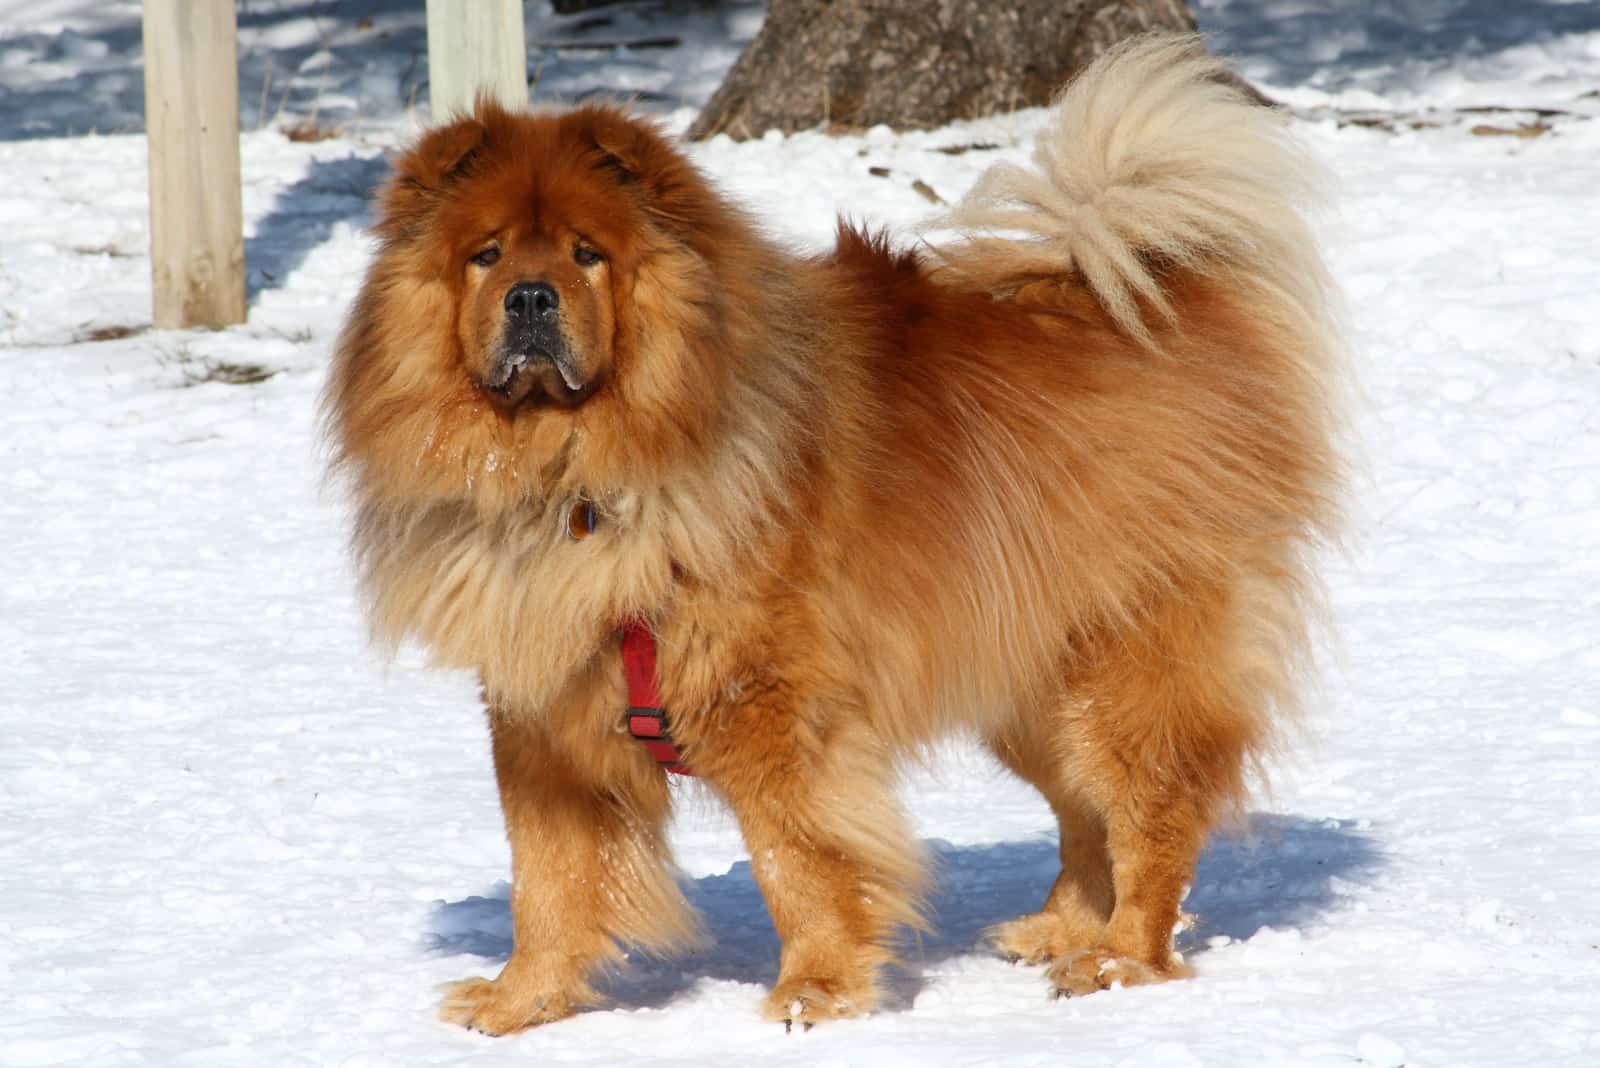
[(1280, 872)]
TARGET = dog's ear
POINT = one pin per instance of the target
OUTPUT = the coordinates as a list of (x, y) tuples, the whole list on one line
[(620, 147), (639, 158), (443, 153), (426, 170)]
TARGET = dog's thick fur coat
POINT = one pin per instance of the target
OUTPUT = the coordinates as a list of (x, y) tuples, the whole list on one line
[(1052, 484)]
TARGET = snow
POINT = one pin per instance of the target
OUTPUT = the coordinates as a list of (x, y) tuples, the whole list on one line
[(230, 835), (1413, 53)]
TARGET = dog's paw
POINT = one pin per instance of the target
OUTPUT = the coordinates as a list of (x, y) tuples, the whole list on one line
[(1040, 937), (496, 1007), (1088, 971), (807, 1002)]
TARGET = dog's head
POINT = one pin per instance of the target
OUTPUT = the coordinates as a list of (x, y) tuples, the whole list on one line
[(544, 310)]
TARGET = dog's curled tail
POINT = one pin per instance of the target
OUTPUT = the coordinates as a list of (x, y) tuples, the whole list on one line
[(1154, 159)]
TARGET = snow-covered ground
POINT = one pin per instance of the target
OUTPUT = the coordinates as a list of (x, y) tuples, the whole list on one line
[(230, 836)]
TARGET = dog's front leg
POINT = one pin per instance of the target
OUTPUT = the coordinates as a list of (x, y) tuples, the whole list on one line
[(811, 787), (585, 810)]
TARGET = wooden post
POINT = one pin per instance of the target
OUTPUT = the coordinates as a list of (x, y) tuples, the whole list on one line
[(191, 104), (476, 46)]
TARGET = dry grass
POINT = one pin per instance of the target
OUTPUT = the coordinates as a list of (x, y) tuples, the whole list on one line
[(1521, 129), (308, 131), (110, 333), (197, 370), (227, 372)]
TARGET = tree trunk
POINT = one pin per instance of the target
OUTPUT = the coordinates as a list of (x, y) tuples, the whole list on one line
[(849, 64)]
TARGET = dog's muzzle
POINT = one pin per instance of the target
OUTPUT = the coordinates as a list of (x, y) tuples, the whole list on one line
[(534, 363)]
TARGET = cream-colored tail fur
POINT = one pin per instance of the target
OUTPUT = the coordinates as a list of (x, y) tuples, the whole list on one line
[(1153, 160)]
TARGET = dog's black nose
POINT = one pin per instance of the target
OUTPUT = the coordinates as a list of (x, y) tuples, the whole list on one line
[(532, 300)]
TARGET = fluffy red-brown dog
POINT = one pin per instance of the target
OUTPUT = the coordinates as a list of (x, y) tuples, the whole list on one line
[(1052, 484)]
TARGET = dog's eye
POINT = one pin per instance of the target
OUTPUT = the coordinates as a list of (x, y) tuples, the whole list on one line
[(584, 256), (488, 257), (581, 519)]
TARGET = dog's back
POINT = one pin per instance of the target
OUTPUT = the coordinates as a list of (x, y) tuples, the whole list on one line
[(1124, 400)]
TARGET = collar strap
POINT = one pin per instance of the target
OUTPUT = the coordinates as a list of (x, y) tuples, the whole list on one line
[(647, 721)]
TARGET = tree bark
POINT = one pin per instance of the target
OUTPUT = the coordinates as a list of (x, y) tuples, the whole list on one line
[(850, 64)]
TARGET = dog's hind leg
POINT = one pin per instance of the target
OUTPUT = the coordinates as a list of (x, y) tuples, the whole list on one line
[(1075, 913), (1166, 713)]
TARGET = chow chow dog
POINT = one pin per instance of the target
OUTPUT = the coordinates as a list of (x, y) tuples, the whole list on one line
[(1053, 484)]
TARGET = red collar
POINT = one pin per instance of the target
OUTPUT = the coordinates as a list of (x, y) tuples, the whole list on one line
[(647, 721)]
